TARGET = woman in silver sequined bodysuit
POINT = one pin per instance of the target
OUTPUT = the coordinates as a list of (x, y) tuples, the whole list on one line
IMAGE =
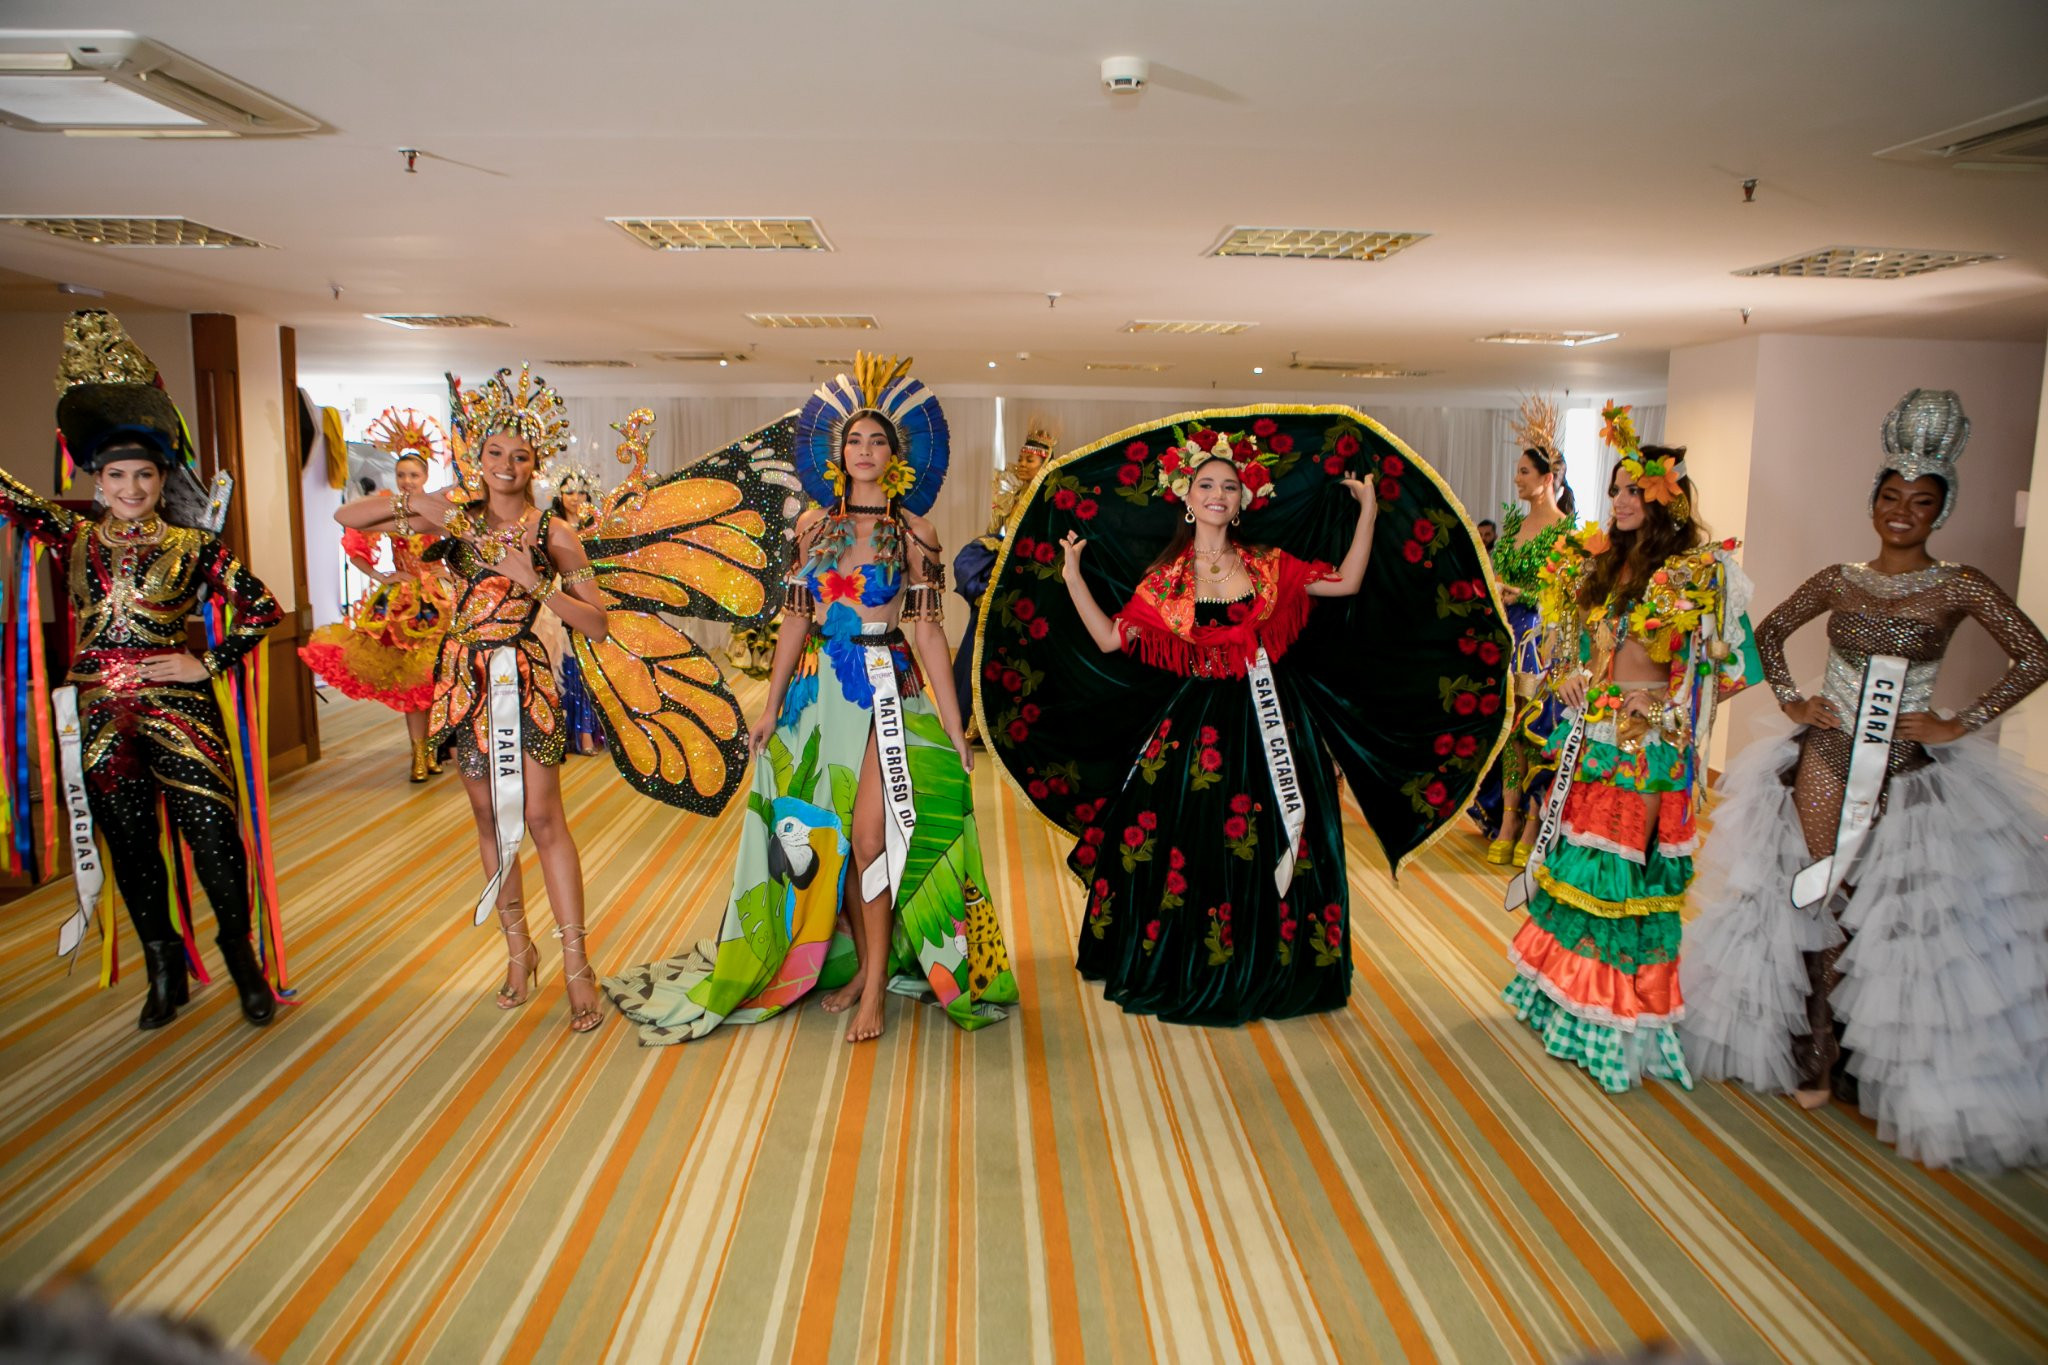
[(1917, 988)]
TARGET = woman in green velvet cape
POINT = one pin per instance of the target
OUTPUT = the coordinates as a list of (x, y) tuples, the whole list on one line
[(1202, 905)]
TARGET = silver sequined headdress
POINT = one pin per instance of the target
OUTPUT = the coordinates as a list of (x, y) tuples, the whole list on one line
[(1925, 435)]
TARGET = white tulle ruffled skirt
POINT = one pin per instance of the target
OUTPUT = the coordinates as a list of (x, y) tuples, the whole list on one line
[(1944, 989)]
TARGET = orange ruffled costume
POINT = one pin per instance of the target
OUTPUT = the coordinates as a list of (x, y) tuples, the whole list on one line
[(385, 650)]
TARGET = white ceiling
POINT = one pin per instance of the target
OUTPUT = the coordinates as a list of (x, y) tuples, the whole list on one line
[(1578, 162)]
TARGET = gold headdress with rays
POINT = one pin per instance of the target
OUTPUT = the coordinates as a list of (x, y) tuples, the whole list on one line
[(97, 350), (1535, 425), (526, 405)]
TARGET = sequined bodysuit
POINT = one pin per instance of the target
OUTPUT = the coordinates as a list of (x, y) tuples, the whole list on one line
[(491, 612), (133, 585), (1910, 616)]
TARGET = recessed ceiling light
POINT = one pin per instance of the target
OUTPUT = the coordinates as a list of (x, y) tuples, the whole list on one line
[(591, 364), (134, 231), (991, 364), (1189, 329), (1548, 338), (420, 322), (1315, 244), (725, 234), (1869, 263), (1357, 369), (855, 321), (1258, 369), (113, 83), (1148, 366), (701, 357)]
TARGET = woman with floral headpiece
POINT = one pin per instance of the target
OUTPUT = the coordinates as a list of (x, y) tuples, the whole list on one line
[(859, 869), (576, 488), (1190, 743), (1649, 619), (385, 650), (148, 738), (1879, 928), (510, 560)]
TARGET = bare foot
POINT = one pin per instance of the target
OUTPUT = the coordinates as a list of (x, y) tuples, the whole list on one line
[(867, 1021), (1813, 1099), (845, 998)]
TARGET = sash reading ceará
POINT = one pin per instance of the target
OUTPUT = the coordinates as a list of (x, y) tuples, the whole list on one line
[(1877, 714), (892, 754), (508, 772), (86, 870), (1279, 764), (1524, 881)]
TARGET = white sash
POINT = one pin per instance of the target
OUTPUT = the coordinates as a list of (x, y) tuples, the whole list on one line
[(85, 852), (892, 755), (1279, 764), (508, 772), (1524, 881), (1877, 712)]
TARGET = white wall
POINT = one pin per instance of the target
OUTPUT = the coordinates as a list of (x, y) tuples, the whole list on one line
[(1812, 408), (2026, 731)]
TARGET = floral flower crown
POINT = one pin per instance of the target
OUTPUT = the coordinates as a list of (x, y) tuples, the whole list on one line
[(1657, 478), (1254, 466)]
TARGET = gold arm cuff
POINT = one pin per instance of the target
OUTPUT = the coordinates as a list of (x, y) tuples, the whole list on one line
[(575, 576)]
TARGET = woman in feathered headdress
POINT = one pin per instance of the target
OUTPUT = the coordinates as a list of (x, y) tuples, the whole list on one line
[(385, 650), (1880, 929), (149, 734), (860, 825), (1648, 621)]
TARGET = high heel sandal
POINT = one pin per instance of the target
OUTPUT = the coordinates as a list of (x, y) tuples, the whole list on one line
[(530, 959), (420, 766), (585, 1019)]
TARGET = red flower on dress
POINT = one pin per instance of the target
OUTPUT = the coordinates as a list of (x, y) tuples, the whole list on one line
[(1333, 465), (1147, 821), (1389, 489), (1013, 681), (1102, 886), (1411, 550), (1489, 704), (1059, 786), (1464, 703), (1085, 855), (1129, 475), (1234, 827), (1176, 859), (1467, 645), (1238, 613), (1040, 628), (1065, 499), (1037, 790), (1043, 552), (1287, 931), (1176, 884), (1019, 732), (1461, 592), (1024, 609), (1030, 712), (1086, 509), (1133, 836), (1281, 444), (1444, 744), (1136, 451), (1489, 653), (1152, 750), (1264, 427), (1152, 931), (1241, 804), (1093, 834), (1468, 745), (1211, 761), (992, 672), (1208, 734), (1436, 793), (1333, 935), (1347, 446), (1332, 913), (1423, 530)]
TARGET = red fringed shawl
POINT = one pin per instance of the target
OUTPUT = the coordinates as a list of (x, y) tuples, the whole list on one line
[(1159, 622)]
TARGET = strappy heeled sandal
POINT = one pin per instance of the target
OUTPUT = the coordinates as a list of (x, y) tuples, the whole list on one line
[(530, 959), (590, 1016)]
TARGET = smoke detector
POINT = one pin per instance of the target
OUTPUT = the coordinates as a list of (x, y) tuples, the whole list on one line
[(1125, 75)]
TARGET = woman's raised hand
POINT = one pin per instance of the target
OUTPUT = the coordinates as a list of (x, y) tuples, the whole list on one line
[(1073, 545)]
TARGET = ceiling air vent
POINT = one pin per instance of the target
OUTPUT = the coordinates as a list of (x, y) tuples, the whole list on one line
[(2014, 139), (1548, 338), (135, 231), (1869, 263), (1357, 369), (1314, 244), (846, 360), (421, 322), (111, 83), (590, 364), (1146, 366), (854, 321), (701, 357), (725, 234), (1189, 329)]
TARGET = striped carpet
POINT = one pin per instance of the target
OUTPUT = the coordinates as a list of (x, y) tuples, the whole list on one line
[(397, 1171)]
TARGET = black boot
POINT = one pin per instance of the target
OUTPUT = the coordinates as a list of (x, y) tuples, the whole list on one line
[(164, 963), (258, 1004)]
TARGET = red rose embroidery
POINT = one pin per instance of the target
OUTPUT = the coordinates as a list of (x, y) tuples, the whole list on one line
[(1065, 499), (1176, 859), (1038, 790), (1411, 551), (1464, 703), (1347, 446), (1489, 704), (1467, 746), (1241, 803), (1332, 913), (1423, 530), (1059, 787), (1030, 712), (1147, 821), (1136, 451), (1389, 490), (1152, 931), (1133, 836), (1393, 466), (1467, 645), (1129, 475), (1281, 444), (1019, 732), (1176, 885), (1461, 592), (1234, 827), (1211, 761), (1093, 834), (1085, 856), (1436, 793), (1264, 427), (1489, 653), (1444, 744), (1024, 609), (1044, 552), (1208, 734), (1333, 465), (1013, 681), (1086, 509), (1040, 628)]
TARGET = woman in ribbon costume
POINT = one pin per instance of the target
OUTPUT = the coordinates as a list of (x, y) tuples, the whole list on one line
[(385, 650), (972, 566), (510, 560), (1651, 633), (150, 728), (1515, 786), (1187, 742), (1879, 928), (860, 806)]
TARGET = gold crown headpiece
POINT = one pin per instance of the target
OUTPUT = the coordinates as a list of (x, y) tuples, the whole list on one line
[(526, 405), (401, 431)]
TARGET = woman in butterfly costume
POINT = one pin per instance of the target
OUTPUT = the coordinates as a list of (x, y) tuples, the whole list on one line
[(385, 650), (696, 543), (861, 815), (1878, 925), (1190, 743), (151, 740)]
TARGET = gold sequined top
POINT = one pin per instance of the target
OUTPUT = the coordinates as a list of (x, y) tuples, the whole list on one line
[(1910, 616), (134, 583)]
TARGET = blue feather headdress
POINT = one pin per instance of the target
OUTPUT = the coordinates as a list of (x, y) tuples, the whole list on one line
[(880, 387)]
